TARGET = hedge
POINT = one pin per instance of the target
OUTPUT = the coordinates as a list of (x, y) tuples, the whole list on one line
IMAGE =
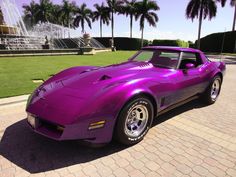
[(123, 43), (192, 46), (213, 42), (178, 43)]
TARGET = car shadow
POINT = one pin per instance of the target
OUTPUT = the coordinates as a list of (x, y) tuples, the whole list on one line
[(35, 153), (194, 104)]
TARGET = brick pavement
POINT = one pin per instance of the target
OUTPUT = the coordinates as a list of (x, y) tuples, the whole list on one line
[(192, 140)]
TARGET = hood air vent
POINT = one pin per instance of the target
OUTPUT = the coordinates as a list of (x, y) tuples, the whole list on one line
[(104, 77), (144, 65), (84, 71)]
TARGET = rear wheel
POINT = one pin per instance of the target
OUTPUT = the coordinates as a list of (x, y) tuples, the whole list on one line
[(134, 121), (211, 94)]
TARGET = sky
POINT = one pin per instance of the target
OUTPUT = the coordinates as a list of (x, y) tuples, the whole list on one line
[(172, 23)]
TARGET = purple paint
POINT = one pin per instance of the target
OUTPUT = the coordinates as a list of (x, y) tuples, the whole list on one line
[(80, 96)]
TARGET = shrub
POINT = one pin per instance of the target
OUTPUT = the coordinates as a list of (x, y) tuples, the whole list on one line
[(213, 42), (192, 46), (123, 43), (178, 43)]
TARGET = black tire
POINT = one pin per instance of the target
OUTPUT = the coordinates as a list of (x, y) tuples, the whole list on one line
[(207, 95), (122, 128)]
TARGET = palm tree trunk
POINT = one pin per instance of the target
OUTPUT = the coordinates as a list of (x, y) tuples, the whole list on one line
[(112, 25), (82, 25), (199, 28), (68, 20), (142, 37), (131, 25), (100, 27), (233, 28)]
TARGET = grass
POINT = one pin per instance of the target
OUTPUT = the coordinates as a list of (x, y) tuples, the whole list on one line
[(17, 73)]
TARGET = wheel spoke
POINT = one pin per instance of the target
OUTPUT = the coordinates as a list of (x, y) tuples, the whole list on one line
[(215, 89), (212, 92), (136, 120)]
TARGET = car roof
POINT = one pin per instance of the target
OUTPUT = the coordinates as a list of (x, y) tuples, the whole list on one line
[(180, 49)]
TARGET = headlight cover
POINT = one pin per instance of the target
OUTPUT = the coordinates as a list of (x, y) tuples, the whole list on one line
[(29, 100), (31, 119)]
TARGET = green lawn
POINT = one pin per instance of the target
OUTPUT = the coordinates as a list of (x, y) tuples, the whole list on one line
[(16, 73)]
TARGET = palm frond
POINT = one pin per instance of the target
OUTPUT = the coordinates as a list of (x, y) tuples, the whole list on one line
[(151, 21), (233, 3), (83, 14), (145, 10), (209, 9), (193, 8)]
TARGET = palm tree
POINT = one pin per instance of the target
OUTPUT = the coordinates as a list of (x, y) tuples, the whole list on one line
[(146, 11), (201, 9), (83, 14), (114, 6), (101, 13), (55, 16), (222, 2), (130, 10), (44, 10), (1, 17), (30, 14), (233, 4), (67, 12)]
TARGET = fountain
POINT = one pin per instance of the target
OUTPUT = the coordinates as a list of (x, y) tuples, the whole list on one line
[(13, 33), (15, 36)]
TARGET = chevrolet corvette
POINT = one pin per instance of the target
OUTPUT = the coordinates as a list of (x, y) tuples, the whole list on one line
[(120, 101)]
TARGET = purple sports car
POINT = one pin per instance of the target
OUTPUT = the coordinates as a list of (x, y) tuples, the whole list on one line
[(96, 104)]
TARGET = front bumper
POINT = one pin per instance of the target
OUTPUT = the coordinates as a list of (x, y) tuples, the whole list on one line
[(101, 133)]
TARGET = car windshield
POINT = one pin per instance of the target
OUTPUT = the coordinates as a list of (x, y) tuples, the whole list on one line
[(159, 58)]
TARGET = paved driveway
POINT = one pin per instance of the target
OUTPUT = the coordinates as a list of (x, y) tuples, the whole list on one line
[(192, 140)]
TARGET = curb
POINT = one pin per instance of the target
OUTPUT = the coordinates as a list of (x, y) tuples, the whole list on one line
[(13, 100)]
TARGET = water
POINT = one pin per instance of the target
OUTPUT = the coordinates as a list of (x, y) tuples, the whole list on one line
[(58, 36), (12, 16)]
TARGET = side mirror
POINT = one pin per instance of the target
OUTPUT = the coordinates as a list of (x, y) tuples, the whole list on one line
[(189, 66)]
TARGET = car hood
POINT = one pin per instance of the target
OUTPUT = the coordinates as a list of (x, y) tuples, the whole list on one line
[(103, 76), (63, 99)]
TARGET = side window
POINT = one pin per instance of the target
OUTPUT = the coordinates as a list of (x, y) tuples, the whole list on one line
[(172, 55), (193, 58), (169, 59)]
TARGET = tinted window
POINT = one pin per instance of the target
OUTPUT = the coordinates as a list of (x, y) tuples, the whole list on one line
[(167, 59), (171, 55), (190, 58), (164, 59), (144, 56)]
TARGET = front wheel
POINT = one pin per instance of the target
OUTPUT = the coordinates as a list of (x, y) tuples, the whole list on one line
[(211, 94), (134, 121)]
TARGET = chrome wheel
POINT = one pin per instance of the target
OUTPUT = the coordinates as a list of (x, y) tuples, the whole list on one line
[(215, 89), (136, 120)]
